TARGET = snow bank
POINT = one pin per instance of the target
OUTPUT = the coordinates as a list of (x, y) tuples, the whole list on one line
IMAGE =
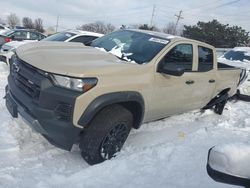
[(232, 158), (167, 153)]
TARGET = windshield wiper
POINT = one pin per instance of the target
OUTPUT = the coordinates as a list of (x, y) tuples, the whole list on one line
[(121, 58)]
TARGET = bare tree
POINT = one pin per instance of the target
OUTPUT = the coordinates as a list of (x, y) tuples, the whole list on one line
[(99, 27), (13, 20), (134, 26), (2, 22), (28, 23), (170, 28), (38, 25), (110, 28)]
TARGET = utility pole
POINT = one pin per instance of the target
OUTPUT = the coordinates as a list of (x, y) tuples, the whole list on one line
[(57, 22), (177, 21), (152, 17)]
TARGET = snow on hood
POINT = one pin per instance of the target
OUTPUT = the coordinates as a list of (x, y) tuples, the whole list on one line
[(15, 44), (117, 51), (237, 63)]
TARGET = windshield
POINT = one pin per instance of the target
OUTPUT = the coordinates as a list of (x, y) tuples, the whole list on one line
[(131, 45), (59, 36), (233, 55), (7, 33)]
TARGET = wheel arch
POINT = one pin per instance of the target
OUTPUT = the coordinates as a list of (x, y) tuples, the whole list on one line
[(131, 100)]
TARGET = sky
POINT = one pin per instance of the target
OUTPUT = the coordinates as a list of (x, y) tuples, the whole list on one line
[(73, 13)]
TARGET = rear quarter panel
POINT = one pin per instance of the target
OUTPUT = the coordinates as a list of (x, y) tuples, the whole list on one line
[(227, 78)]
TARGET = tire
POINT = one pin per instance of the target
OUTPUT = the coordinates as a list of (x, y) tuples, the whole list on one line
[(106, 134)]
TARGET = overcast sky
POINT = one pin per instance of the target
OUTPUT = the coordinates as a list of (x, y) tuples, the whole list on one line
[(73, 13)]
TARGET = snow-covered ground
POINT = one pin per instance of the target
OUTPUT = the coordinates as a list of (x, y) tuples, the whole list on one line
[(171, 153)]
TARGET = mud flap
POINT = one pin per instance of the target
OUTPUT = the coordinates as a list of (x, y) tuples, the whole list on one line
[(218, 103), (219, 107)]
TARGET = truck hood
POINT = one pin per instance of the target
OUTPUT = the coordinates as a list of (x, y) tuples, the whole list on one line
[(72, 59)]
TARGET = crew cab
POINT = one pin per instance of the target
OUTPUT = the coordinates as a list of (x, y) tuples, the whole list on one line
[(94, 95)]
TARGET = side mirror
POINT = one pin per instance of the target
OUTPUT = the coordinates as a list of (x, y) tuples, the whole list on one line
[(230, 164), (12, 37), (171, 69)]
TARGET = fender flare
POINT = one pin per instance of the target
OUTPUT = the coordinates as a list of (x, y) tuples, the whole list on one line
[(105, 100)]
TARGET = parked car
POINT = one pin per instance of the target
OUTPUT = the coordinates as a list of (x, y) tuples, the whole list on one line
[(3, 29), (20, 35), (221, 51), (239, 57), (96, 94), (230, 164), (84, 37)]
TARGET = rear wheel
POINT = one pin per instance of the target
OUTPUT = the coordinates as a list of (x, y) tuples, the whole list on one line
[(106, 134)]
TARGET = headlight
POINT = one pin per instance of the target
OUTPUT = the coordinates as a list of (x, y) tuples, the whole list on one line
[(13, 59), (76, 84)]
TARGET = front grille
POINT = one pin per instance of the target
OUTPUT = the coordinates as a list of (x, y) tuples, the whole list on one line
[(24, 77)]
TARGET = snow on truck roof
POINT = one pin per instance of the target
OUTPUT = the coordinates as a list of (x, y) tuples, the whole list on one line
[(75, 31)]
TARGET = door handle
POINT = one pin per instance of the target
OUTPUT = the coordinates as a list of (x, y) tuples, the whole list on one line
[(188, 82), (211, 81)]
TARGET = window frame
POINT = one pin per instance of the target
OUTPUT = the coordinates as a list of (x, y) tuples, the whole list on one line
[(198, 59), (175, 45), (19, 38)]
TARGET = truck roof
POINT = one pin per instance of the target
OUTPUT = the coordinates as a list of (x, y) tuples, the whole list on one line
[(169, 36), (155, 33)]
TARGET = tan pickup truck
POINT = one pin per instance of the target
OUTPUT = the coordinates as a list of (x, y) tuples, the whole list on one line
[(93, 95)]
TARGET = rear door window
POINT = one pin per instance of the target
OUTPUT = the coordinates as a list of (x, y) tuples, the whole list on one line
[(20, 35), (205, 59)]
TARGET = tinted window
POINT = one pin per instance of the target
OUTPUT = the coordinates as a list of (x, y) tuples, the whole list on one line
[(84, 39), (59, 36), (1, 27), (205, 59), (237, 55), (22, 35), (181, 55), (34, 36), (135, 46), (40, 37)]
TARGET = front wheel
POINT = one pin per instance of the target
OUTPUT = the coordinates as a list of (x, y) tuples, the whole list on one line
[(106, 134)]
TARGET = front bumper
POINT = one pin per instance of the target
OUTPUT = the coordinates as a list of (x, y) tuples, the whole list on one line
[(45, 113)]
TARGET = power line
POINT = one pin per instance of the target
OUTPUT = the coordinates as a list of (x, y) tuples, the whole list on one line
[(228, 3), (202, 6)]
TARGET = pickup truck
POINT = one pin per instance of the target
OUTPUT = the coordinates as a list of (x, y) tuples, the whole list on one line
[(94, 95)]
